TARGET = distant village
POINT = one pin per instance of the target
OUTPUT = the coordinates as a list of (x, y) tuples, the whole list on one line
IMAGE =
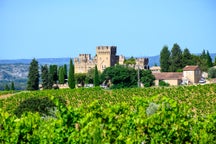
[(106, 57)]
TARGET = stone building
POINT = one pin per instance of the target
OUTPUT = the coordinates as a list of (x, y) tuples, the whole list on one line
[(105, 57)]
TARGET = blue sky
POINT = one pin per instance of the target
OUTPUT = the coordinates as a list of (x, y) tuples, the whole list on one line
[(65, 28)]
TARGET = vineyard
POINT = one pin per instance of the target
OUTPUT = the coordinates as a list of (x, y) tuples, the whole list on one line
[(93, 115)]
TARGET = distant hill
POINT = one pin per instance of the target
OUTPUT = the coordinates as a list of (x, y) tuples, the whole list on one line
[(42, 61)]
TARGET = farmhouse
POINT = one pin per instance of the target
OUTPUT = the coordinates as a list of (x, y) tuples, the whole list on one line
[(190, 75)]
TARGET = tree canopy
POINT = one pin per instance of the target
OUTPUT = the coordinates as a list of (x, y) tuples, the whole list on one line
[(120, 76), (71, 78), (96, 77), (164, 59), (33, 76)]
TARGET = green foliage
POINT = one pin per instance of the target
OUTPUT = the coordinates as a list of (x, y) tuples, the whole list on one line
[(6, 88), (175, 58), (186, 58), (205, 61), (71, 78), (47, 81), (61, 75), (96, 77), (163, 83), (80, 78), (215, 61), (149, 120), (164, 59), (147, 78), (212, 72), (209, 60), (33, 76), (90, 76), (12, 86), (130, 61), (65, 72), (53, 71), (120, 76)]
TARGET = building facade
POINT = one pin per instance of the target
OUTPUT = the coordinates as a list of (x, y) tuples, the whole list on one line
[(105, 57)]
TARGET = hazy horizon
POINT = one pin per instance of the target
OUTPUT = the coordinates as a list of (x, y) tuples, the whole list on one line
[(64, 29)]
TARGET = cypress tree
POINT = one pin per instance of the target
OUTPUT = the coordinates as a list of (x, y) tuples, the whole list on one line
[(176, 58), (65, 73), (96, 77), (46, 79), (209, 60), (33, 76), (164, 59), (12, 86), (186, 58), (61, 75), (71, 78), (53, 70)]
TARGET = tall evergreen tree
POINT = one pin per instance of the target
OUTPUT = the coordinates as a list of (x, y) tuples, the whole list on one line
[(61, 75), (209, 60), (186, 58), (71, 78), (204, 62), (12, 86), (47, 81), (164, 59), (33, 76), (96, 77), (6, 88), (65, 73), (176, 58), (53, 70)]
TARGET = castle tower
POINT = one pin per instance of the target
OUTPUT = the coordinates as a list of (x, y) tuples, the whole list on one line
[(106, 57), (83, 63)]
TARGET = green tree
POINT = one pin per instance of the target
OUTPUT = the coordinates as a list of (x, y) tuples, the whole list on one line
[(61, 75), (65, 73), (130, 61), (147, 78), (164, 59), (96, 77), (90, 76), (186, 58), (205, 61), (209, 60), (120, 76), (33, 76), (6, 88), (53, 70), (80, 78), (45, 77), (212, 72), (12, 86), (71, 78), (176, 58), (163, 83)]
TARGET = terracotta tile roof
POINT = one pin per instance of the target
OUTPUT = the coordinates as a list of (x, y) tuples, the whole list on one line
[(190, 68), (168, 75)]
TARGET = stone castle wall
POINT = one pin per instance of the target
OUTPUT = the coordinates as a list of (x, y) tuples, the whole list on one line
[(105, 57)]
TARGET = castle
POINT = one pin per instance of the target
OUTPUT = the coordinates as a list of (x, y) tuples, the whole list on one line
[(105, 57)]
